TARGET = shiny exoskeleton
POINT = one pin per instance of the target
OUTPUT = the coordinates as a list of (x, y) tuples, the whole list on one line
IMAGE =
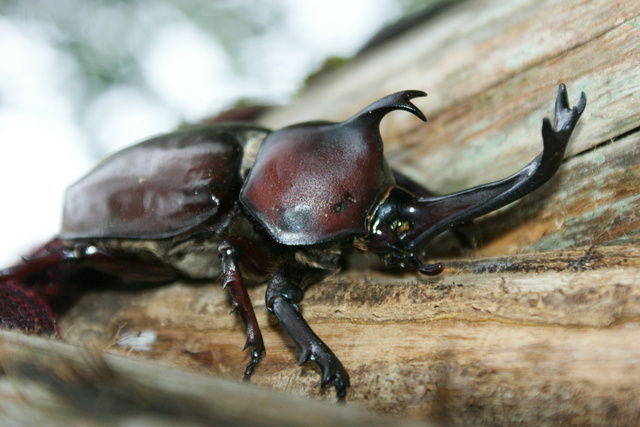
[(239, 201)]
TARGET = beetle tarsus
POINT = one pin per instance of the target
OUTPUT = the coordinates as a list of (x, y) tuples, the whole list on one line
[(256, 354), (240, 301)]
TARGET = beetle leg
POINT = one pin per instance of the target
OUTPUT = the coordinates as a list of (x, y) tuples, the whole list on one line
[(240, 300), (283, 294), (26, 309), (50, 279), (57, 255)]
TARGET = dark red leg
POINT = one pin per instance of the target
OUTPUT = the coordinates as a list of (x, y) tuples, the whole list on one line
[(25, 309), (34, 292), (283, 294), (240, 301), (57, 255)]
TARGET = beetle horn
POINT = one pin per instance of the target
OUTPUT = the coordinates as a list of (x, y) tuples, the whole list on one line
[(444, 211), (396, 101)]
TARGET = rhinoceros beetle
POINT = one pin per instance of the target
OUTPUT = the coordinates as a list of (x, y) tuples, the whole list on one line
[(239, 201)]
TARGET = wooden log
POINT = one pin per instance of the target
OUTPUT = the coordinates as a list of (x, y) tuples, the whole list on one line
[(536, 322), (544, 337), (51, 383)]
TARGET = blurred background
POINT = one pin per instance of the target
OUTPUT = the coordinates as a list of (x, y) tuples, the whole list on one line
[(80, 79)]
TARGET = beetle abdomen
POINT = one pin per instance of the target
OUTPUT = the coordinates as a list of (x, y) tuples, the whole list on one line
[(157, 188)]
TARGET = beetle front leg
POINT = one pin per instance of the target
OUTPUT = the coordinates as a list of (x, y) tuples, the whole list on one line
[(283, 294), (240, 300)]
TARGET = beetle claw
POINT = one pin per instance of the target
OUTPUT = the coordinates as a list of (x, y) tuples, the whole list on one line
[(305, 355), (311, 346), (256, 354)]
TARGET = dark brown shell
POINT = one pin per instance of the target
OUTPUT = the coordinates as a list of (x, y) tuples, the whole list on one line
[(157, 188)]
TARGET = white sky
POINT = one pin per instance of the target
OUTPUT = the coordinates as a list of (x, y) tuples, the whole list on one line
[(43, 149)]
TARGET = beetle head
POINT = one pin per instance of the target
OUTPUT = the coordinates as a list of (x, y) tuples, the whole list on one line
[(395, 231), (317, 182)]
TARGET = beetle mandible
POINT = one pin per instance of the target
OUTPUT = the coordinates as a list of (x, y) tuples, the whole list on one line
[(201, 204)]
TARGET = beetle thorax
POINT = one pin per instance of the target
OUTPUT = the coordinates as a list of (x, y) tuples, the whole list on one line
[(315, 183)]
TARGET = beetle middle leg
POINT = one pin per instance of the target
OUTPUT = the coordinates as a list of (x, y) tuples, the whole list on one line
[(284, 292), (232, 278)]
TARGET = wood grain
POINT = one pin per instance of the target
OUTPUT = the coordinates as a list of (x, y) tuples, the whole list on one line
[(535, 320), (51, 383), (525, 330)]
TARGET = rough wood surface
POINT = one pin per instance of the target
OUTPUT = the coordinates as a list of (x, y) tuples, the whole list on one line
[(54, 384), (537, 322), (549, 337)]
